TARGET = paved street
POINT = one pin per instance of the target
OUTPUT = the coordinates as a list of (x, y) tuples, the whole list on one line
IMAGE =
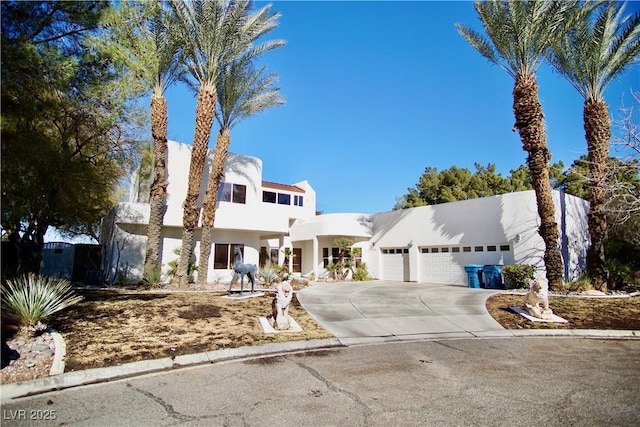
[(412, 355), (548, 381)]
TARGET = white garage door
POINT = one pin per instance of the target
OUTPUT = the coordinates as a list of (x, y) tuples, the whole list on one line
[(441, 265), (395, 264), (445, 264)]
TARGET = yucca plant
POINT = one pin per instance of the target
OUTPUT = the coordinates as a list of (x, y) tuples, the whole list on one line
[(269, 273), (32, 298)]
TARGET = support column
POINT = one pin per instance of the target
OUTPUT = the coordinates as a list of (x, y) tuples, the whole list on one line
[(315, 257), (414, 263)]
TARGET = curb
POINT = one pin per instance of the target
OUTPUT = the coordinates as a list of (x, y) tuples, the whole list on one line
[(577, 333), (62, 381), (92, 376), (57, 367)]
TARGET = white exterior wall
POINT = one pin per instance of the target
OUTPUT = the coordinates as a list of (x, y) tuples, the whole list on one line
[(246, 223), (509, 218), (505, 220), (239, 169)]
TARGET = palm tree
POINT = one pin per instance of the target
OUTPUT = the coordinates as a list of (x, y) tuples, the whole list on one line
[(518, 34), (242, 92), (213, 34), (590, 55), (153, 54)]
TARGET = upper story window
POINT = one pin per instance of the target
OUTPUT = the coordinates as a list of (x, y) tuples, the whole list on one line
[(269, 196), (234, 193), (284, 199)]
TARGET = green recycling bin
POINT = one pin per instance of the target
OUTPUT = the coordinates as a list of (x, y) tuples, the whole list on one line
[(493, 276)]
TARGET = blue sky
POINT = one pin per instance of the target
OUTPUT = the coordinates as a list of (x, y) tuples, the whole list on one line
[(377, 91)]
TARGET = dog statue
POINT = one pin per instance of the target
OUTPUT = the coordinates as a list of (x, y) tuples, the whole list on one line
[(536, 301), (280, 306)]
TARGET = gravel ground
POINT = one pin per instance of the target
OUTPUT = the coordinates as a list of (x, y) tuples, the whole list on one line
[(30, 358)]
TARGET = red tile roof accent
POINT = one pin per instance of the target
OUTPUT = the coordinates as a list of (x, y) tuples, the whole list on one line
[(285, 187)]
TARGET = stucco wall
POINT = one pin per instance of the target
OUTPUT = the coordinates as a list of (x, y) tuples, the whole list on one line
[(511, 218), (498, 220)]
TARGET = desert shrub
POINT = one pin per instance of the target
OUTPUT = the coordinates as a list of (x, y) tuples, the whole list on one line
[(620, 274), (623, 251), (518, 276), (30, 299), (173, 267), (269, 273), (361, 273), (122, 276), (623, 262), (581, 285), (152, 278), (333, 270)]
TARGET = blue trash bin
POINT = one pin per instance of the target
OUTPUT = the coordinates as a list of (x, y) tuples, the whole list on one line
[(493, 276), (474, 274)]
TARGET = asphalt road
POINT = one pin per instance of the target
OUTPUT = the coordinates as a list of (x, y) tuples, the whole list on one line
[(534, 381)]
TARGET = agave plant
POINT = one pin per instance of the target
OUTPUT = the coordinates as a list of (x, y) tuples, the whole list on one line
[(269, 273), (32, 298)]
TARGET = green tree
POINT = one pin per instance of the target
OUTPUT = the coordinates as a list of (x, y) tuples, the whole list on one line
[(67, 130), (213, 34), (457, 183), (520, 179), (591, 54), (517, 35), (242, 92), (148, 45)]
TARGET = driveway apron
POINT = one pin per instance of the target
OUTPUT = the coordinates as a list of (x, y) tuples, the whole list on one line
[(367, 312)]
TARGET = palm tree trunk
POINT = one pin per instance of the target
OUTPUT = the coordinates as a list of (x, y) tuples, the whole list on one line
[(158, 191), (597, 126), (205, 110), (210, 202), (529, 123)]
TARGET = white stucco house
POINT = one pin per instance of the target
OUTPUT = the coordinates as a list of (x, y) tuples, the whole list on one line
[(424, 244)]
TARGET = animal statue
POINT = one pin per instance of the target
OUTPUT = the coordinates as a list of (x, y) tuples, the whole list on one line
[(536, 301), (280, 306), (240, 269)]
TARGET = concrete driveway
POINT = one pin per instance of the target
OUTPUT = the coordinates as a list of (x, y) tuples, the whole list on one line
[(366, 312)]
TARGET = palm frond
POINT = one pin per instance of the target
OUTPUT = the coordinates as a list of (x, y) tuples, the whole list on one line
[(518, 32), (216, 33), (596, 49), (244, 91)]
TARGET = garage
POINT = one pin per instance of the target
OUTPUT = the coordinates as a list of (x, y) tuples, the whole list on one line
[(395, 264), (445, 264)]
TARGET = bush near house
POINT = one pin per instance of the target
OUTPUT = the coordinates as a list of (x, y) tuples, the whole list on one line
[(623, 263), (361, 273), (173, 267), (517, 276)]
